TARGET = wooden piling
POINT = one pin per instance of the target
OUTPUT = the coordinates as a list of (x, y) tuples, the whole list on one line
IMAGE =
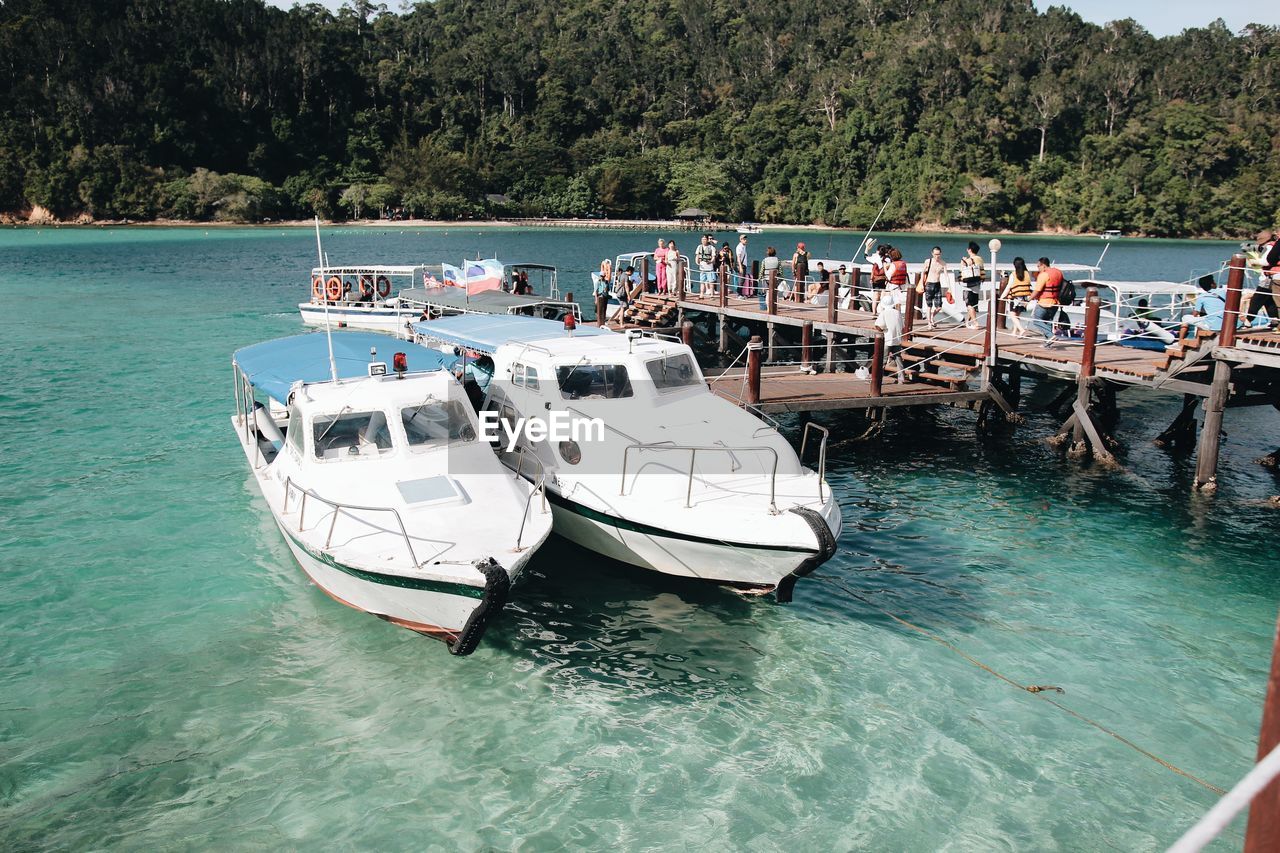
[(877, 367), (909, 317), (644, 274), (806, 344), (1262, 833), (1231, 310), (1092, 311), (680, 277), (686, 333), (1002, 322), (753, 369), (771, 298), (1220, 389), (722, 278)]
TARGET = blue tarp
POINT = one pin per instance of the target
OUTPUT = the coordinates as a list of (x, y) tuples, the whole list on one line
[(487, 332), (273, 366)]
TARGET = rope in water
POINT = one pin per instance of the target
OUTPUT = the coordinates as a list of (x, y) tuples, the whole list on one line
[(1039, 690)]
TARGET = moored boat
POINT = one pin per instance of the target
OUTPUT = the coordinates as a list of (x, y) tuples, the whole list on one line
[(675, 479), (379, 485)]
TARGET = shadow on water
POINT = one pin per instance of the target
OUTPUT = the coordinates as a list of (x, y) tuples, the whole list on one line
[(588, 622)]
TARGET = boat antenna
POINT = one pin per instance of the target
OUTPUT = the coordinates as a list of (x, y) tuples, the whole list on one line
[(874, 222), (1098, 265), (328, 327)]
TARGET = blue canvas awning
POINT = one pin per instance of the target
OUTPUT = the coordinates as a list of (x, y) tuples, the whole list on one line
[(487, 332), (273, 366)]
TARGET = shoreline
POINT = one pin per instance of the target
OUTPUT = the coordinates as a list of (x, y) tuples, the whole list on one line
[(923, 228)]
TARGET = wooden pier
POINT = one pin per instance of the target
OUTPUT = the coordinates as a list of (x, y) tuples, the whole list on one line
[(980, 368)]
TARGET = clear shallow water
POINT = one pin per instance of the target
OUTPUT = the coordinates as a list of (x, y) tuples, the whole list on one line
[(168, 677)]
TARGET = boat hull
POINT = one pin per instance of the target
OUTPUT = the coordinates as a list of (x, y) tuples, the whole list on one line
[(431, 610), (754, 566), (373, 318)]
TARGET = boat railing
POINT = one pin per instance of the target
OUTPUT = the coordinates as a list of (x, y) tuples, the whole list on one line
[(338, 507), (822, 452), (539, 486), (694, 450)]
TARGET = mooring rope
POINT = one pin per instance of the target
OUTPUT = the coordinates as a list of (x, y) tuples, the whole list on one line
[(1038, 690)]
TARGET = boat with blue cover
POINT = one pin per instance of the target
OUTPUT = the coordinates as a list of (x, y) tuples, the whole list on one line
[(676, 480), (378, 483)]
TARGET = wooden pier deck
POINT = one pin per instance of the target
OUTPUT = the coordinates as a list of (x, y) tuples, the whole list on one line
[(799, 392)]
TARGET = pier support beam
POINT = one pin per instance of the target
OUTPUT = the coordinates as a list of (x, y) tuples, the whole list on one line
[(1086, 438), (753, 369), (1182, 432), (1214, 405)]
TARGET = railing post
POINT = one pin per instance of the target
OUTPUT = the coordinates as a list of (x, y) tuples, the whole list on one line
[(753, 369), (877, 367), (771, 298), (909, 318), (1262, 832), (722, 287), (686, 333), (806, 343), (1231, 311), (644, 275), (1092, 311), (1002, 322), (755, 275), (680, 274)]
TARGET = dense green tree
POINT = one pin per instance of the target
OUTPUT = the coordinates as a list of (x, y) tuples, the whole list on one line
[(973, 113)]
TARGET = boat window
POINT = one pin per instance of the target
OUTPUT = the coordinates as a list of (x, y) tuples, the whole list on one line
[(593, 381), (293, 432), (524, 375), (354, 434), (437, 422), (673, 371)]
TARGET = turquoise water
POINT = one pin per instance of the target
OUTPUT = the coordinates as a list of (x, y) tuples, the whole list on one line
[(169, 678)]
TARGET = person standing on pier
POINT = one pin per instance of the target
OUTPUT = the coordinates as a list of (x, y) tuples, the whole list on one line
[(771, 263), (934, 267), (1045, 295), (889, 311), (973, 271), (705, 257), (660, 266), (800, 271), (1264, 296), (673, 267), (879, 263), (741, 262), (1017, 291)]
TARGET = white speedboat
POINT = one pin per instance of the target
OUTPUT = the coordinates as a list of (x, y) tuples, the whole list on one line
[(387, 298), (379, 485), (656, 470)]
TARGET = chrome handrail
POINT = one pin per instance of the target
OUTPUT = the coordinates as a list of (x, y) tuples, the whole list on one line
[(693, 455), (539, 487), (822, 452), (338, 506)]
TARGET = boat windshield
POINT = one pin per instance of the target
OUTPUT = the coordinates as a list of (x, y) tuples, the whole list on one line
[(351, 435), (672, 371), (436, 423), (593, 381)]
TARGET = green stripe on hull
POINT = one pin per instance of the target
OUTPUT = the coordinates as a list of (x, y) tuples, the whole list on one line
[(650, 530), (460, 589)]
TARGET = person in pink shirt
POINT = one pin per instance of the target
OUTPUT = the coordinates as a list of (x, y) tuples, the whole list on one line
[(660, 261)]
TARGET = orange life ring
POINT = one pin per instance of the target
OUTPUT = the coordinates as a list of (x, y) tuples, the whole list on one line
[(317, 288), (384, 287), (366, 285), (334, 288)]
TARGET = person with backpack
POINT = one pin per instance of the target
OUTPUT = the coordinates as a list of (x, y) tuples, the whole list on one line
[(1045, 294), (879, 262), (705, 258), (972, 272)]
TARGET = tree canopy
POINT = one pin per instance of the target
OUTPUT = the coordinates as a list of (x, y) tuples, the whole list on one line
[(973, 113)]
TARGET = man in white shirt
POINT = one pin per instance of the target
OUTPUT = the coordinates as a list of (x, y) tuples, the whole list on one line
[(741, 262)]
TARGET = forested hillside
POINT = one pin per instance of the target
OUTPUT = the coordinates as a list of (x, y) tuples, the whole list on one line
[(974, 113)]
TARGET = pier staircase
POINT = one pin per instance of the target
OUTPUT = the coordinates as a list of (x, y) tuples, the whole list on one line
[(650, 311), (932, 365), (1187, 351)]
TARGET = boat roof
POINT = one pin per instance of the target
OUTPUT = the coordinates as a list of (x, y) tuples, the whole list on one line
[(359, 269), (486, 301), (530, 266), (487, 332), (1176, 288), (274, 366)]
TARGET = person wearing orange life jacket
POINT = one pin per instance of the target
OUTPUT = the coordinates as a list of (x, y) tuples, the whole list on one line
[(879, 262), (1045, 294)]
